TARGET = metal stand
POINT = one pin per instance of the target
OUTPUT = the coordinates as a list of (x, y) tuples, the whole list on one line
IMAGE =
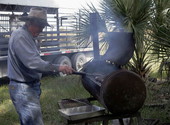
[(102, 118), (105, 119)]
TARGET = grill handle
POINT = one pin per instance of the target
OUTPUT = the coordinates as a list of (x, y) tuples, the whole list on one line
[(79, 73)]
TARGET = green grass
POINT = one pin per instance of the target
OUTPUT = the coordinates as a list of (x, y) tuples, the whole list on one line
[(8, 115), (157, 104), (56, 88), (53, 90)]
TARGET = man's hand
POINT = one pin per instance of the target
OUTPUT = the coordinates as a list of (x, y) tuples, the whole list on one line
[(66, 69)]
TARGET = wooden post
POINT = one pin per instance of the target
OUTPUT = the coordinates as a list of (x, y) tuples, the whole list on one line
[(94, 35)]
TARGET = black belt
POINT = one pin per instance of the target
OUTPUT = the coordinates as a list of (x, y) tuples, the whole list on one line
[(34, 81)]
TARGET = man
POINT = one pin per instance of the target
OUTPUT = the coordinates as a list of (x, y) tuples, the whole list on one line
[(25, 67)]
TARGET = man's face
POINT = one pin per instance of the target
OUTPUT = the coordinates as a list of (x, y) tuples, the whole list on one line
[(36, 29)]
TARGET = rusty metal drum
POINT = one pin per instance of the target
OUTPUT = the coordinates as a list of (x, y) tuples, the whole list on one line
[(123, 92), (120, 91), (96, 67)]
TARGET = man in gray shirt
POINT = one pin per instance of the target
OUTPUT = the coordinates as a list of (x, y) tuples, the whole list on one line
[(25, 67)]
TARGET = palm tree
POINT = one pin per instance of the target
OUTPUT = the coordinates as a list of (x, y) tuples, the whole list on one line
[(132, 16), (160, 27), (141, 62), (127, 16), (84, 26)]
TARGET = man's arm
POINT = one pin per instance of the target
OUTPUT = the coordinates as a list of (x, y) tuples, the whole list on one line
[(28, 54)]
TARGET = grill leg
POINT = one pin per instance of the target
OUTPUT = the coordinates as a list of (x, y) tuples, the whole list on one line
[(139, 119), (121, 122), (105, 122), (131, 121)]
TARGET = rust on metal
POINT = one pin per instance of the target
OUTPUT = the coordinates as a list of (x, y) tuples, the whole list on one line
[(123, 92)]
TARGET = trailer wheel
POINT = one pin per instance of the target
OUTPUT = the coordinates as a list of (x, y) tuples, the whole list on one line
[(63, 60), (78, 60)]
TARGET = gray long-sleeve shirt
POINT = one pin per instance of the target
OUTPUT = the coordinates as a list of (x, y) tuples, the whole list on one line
[(24, 61)]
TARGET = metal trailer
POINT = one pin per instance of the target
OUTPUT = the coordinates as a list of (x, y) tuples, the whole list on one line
[(56, 42)]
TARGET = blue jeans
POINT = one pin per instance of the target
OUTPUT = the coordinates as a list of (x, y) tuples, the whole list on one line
[(26, 99)]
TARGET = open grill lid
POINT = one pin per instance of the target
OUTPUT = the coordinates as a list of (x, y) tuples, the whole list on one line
[(121, 47)]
